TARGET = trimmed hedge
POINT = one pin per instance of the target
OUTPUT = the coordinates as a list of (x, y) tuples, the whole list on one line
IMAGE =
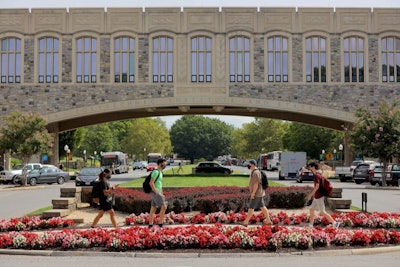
[(206, 199)]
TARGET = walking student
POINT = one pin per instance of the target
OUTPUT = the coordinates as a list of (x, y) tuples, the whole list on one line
[(257, 194), (106, 204), (157, 197), (318, 203)]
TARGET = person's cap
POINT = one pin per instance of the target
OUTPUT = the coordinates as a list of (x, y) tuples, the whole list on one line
[(253, 161)]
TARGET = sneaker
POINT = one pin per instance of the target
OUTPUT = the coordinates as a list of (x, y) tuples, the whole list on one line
[(336, 224)]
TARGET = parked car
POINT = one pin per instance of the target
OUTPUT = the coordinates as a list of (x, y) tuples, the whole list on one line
[(10, 176), (392, 176), (346, 172), (212, 167), (151, 166), (366, 171), (304, 174), (138, 165), (47, 174), (87, 176)]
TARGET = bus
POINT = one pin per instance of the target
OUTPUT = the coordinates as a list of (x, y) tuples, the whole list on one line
[(153, 157), (119, 159), (273, 160)]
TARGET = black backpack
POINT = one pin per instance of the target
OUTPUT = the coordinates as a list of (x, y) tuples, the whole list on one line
[(96, 191), (264, 180), (146, 184)]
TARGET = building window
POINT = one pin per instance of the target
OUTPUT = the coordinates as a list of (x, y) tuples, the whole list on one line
[(391, 59), (163, 59), (353, 48), (278, 59), (48, 60), (124, 60), (239, 59), (86, 60), (10, 67), (316, 59), (201, 59)]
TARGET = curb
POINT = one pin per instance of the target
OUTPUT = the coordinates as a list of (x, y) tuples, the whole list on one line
[(261, 254), (15, 188)]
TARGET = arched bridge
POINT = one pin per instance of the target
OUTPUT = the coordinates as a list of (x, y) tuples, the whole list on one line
[(80, 67)]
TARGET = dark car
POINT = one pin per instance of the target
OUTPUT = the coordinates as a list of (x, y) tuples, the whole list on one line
[(212, 167), (366, 171), (304, 174), (48, 174), (87, 176)]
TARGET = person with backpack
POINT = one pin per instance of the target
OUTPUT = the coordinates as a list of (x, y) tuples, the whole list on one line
[(105, 198), (318, 203), (157, 197), (257, 194)]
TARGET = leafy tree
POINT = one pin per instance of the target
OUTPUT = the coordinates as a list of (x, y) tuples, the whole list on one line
[(98, 138), (378, 135), (150, 134), (196, 137), (26, 135), (257, 137), (311, 139), (72, 138), (120, 130)]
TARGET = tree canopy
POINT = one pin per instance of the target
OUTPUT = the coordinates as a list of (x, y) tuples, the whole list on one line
[(25, 134), (377, 135), (195, 137)]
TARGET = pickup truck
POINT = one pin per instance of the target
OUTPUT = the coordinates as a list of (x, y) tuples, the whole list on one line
[(392, 176), (9, 176), (346, 172)]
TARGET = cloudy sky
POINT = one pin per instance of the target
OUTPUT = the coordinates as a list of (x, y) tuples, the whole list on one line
[(237, 121)]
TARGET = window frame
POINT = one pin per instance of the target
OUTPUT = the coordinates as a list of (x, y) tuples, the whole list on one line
[(327, 39), (163, 54), (396, 59), (96, 68), (131, 78), (236, 77), (197, 77), (5, 68), (274, 51)]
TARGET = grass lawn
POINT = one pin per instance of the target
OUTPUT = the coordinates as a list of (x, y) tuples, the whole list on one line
[(39, 211), (171, 179)]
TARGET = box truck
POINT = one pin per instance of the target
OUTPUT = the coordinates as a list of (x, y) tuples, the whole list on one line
[(290, 163)]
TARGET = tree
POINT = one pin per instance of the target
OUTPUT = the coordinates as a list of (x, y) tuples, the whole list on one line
[(257, 137), (25, 134), (378, 134), (196, 137), (72, 138), (146, 135), (311, 139), (98, 138)]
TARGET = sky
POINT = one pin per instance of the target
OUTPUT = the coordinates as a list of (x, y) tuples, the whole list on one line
[(236, 121)]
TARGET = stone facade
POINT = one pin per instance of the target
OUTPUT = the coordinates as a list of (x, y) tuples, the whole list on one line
[(68, 105)]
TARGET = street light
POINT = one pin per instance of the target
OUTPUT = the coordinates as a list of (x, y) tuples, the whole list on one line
[(341, 151), (67, 151), (144, 153), (95, 153), (84, 157)]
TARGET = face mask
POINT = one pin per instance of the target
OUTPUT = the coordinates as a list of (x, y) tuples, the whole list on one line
[(164, 166), (248, 167)]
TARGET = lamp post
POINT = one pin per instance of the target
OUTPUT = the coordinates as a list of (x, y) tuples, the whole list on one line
[(341, 153), (67, 151), (334, 158), (144, 153), (84, 157), (323, 154), (95, 155)]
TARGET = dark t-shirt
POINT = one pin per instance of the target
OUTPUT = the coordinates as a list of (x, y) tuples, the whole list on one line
[(103, 186)]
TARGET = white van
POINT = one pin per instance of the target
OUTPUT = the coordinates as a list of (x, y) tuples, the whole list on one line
[(9, 176)]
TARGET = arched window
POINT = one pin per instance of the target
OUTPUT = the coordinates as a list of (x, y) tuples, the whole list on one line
[(48, 60), (391, 59), (353, 49), (124, 60), (239, 59), (316, 59), (163, 59), (10, 54), (86, 60), (201, 59), (278, 59)]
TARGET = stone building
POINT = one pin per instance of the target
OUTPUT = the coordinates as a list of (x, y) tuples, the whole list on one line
[(79, 66)]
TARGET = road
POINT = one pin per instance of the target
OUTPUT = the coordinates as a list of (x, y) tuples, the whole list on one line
[(220, 260), (17, 202)]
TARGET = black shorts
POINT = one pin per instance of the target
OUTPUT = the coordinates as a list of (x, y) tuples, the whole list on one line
[(104, 205)]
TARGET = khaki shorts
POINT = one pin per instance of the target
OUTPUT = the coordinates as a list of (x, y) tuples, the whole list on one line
[(318, 204)]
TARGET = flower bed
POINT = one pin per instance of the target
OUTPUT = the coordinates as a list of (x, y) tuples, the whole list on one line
[(199, 237), (33, 223)]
